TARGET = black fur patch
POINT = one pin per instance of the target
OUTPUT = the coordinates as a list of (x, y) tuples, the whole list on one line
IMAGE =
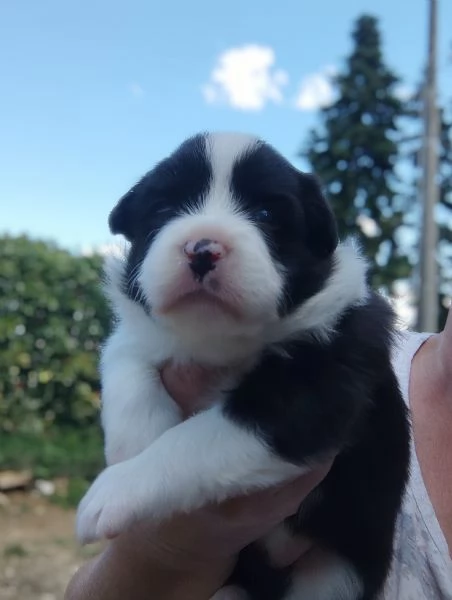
[(337, 397), (298, 222), (179, 181)]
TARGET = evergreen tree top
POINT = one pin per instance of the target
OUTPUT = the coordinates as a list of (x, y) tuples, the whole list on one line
[(355, 150)]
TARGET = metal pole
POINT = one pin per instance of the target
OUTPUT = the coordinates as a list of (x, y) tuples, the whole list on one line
[(428, 297)]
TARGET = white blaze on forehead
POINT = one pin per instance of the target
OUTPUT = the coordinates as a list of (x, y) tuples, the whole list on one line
[(223, 151)]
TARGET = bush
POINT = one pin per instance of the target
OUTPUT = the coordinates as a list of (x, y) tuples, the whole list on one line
[(72, 453), (53, 319)]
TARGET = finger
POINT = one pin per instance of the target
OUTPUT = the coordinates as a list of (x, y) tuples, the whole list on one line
[(277, 502), (297, 490)]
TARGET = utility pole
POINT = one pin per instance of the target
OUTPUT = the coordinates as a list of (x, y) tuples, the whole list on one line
[(428, 288)]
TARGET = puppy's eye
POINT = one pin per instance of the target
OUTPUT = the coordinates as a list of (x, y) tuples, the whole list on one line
[(262, 216)]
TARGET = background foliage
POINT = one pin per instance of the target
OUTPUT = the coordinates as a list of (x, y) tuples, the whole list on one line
[(358, 150), (53, 318)]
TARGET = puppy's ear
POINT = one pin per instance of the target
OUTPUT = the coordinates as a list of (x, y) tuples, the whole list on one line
[(125, 217), (321, 228)]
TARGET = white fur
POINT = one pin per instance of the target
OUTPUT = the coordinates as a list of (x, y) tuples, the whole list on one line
[(206, 458), (320, 575), (136, 407), (223, 151)]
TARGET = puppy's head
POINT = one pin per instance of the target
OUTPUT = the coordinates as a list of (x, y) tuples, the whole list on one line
[(225, 235)]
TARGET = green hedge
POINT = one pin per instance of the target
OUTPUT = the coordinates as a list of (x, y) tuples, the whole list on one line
[(53, 317)]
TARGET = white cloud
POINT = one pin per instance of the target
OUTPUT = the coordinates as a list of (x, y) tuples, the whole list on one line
[(246, 78), (316, 90), (136, 90)]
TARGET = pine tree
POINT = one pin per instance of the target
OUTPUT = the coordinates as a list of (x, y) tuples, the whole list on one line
[(445, 215), (355, 151)]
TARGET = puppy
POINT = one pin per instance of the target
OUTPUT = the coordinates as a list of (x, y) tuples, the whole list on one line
[(235, 264)]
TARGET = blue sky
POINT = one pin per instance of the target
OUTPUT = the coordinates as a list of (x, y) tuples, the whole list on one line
[(94, 93)]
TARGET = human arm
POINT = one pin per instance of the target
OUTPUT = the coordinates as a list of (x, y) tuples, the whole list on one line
[(430, 398)]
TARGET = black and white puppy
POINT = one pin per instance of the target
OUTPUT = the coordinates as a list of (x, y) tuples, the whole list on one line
[(235, 263)]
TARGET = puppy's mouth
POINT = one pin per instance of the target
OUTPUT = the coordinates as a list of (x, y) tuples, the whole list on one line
[(201, 298)]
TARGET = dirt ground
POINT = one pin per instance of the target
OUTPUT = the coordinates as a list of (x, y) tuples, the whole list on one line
[(38, 551)]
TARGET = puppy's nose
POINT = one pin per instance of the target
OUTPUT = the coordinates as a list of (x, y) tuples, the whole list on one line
[(203, 255)]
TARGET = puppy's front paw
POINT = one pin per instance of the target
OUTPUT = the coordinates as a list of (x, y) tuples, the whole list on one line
[(117, 499)]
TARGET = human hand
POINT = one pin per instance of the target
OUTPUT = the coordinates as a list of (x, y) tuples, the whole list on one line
[(192, 555)]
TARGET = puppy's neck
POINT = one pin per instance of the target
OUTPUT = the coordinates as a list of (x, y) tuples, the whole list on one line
[(317, 317)]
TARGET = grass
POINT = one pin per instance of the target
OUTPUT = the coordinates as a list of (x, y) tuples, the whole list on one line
[(73, 454), (14, 550)]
